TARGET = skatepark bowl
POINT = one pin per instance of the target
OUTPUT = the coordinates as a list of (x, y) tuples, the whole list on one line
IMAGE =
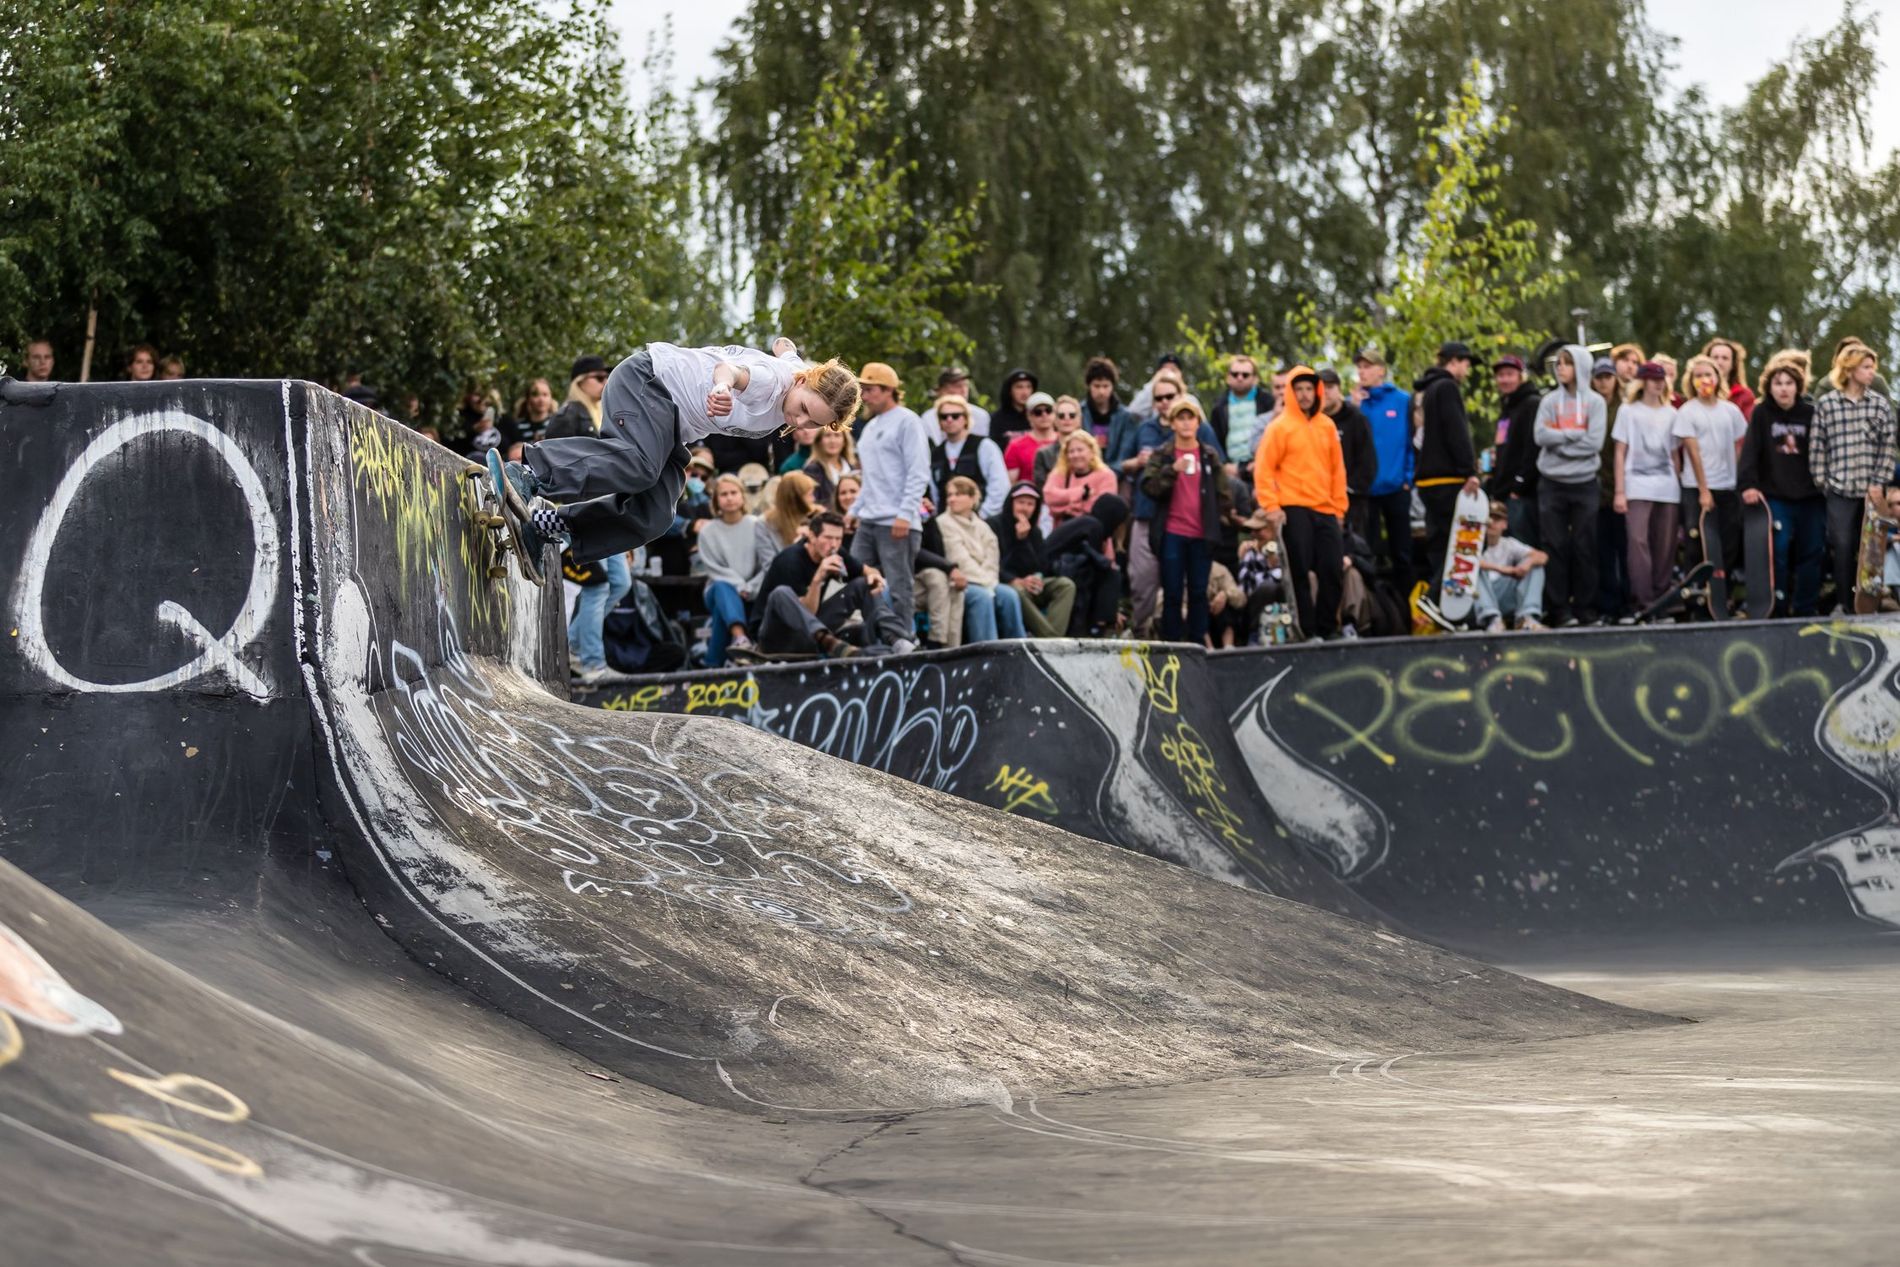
[(332, 932)]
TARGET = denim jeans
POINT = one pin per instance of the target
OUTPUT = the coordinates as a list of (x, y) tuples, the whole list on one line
[(1500, 595), (1800, 547), (992, 613), (727, 609), (1185, 563), (590, 617)]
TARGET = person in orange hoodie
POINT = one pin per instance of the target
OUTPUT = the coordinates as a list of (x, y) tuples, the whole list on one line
[(1299, 475)]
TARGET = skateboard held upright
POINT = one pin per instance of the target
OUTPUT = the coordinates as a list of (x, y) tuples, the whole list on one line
[(1877, 530), (1763, 594), (1458, 588)]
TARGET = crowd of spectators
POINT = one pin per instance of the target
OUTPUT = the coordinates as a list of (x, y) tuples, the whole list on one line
[(1141, 509)]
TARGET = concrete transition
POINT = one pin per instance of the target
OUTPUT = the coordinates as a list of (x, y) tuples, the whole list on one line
[(329, 934)]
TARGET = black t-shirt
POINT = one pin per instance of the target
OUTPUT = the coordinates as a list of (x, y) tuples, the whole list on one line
[(795, 567)]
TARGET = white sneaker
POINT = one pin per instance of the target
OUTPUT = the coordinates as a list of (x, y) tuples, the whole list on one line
[(1496, 625), (601, 675), (902, 646)]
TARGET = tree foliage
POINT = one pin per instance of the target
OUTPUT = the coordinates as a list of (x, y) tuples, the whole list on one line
[(426, 194), (856, 272)]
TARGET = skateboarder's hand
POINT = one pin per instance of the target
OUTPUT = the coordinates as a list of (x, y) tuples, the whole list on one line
[(1751, 496), (719, 401), (1705, 499)]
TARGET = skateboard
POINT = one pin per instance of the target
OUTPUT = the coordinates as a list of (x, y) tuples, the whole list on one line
[(1280, 620), (1678, 596), (1876, 534), (1458, 589), (499, 511), (1434, 615), (1758, 547), (1715, 588), (1426, 618)]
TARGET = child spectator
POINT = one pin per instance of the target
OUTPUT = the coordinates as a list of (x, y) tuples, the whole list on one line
[(1510, 578), (1774, 468)]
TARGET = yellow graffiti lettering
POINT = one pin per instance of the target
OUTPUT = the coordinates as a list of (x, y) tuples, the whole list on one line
[(640, 701), (1023, 790), (177, 1089), (727, 694), (1188, 753), (1162, 684), (194, 1147)]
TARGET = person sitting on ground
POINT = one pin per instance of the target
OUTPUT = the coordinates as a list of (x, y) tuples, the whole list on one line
[(792, 506), (810, 592), (1261, 573), (834, 455), (1187, 481), (1226, 610), (608, 493), (1510, 578), (1047, 601), (940, 587), (1083, 550), (990, 608), (734, 550), (1077, 478)]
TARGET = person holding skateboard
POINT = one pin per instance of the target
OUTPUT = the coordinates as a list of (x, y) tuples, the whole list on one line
[(1447, 465), (600, 495), (1851, 455), (1711, 429), (1775, 471)]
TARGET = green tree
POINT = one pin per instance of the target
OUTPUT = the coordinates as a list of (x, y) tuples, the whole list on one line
[(857, 272), (1467, 270), (426, 194)]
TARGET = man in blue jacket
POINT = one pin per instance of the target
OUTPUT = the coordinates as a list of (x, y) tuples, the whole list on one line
[(1389, 499)]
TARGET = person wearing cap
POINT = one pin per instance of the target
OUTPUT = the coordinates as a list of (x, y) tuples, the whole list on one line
[(1646, 489), (1011, 418), (1388, 411), (1571, 424), (1447, 465), (1239, 415), (1048, 601), (973, 457), (1514, 473), (1355, 445), (1299, 476), (894, 458), (1613, 586), (579, 415), (1019, 455), (1510, 578), (955, 381), (1774, 468), (607, 493), (1187, 480), (1144, 565)]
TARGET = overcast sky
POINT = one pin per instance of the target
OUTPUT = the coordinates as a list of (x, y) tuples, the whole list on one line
[(1725, 44)]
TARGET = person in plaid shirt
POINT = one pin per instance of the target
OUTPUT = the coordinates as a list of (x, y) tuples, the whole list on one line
[(1851, 456)]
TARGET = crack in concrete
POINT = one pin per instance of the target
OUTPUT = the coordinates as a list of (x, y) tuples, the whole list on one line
[(809, 1179)]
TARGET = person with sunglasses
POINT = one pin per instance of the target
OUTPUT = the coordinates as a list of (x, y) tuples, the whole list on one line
[(1144, 564), (1239, 416), (580, 414), (1019, 457), (1068, 422), (974, 457)]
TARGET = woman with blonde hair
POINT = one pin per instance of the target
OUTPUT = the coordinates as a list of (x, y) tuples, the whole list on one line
[(735, 548), (834, 455), (603, 494), (1711, 428), (1077, 479), (990, 608), (1731, 361), (792, 505)]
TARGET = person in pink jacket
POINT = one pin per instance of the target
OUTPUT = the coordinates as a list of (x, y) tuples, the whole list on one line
[(1078, 478)]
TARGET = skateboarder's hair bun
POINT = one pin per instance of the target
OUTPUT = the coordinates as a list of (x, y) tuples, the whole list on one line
[(837, 386)]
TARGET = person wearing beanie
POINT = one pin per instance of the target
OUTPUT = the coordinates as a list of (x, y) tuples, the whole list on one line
[(1047, 601), (579, 415), (1774, 468), (1011, 418), (1514, 474), (1644, 485), (1571, 425)]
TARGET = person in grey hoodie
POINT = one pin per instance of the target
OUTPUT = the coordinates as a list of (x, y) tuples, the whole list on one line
[(1571, 424)]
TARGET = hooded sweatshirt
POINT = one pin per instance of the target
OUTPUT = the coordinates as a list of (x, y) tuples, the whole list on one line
[(1007, 422), (1516, 474), (1571, 424), (1389, 412), (1021, 556), (1445, 455), (1774, 456), (1299, 462)]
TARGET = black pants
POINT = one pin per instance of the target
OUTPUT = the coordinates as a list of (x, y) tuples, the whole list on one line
[(617, 490), (1313, 544), (1567, 521), (1098, 596), (1441, 503), (1388, 529), (785, 625), (1844, 515), (1726, 520)]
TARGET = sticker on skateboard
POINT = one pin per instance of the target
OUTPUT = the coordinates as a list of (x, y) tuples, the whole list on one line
[(1458, 589), (1876, 535)]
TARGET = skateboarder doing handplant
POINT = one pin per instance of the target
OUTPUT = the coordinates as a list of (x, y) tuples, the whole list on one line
[(600, 495)]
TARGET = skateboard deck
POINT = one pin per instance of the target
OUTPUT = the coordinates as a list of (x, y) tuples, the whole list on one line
[(1458, 588), (486, 515), (1280, 620), (1758, 547), (501, 514), (1678, 596), (1876, 534), (1705, 540)]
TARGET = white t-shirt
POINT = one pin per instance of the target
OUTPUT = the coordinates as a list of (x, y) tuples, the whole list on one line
[(1649, 474), (1717, 429), (1507, 553), (687, 375)]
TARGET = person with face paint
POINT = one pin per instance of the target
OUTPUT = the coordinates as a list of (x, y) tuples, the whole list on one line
[(1299, 476), (1775, 468), (1710, 420)]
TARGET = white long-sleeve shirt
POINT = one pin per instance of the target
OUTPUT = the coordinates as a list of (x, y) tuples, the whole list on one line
[(737, 553), (894, 456)]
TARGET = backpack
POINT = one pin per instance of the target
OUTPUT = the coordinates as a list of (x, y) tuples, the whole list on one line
[(640, 639)]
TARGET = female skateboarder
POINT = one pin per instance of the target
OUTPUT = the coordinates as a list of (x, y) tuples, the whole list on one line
[(599, 495)]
